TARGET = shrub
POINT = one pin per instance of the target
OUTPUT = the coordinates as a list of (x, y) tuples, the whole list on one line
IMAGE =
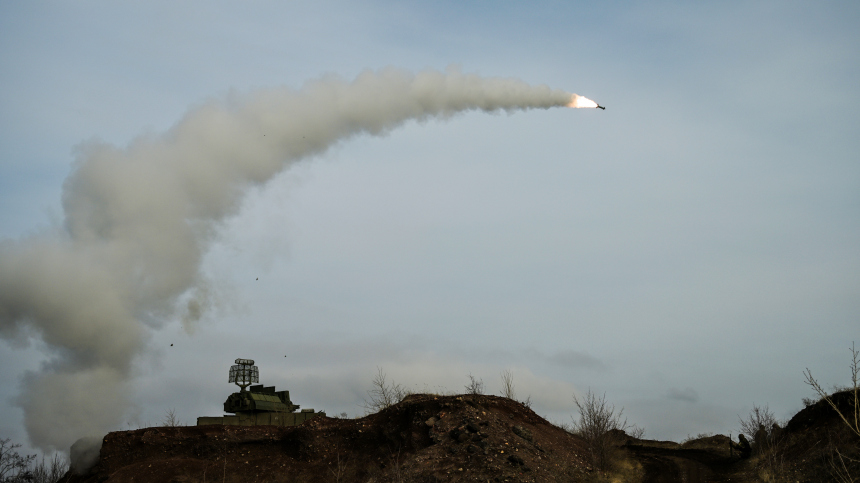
[(475, 386), (170, 419), (13, 466), (508, 385), (597, 425), (759, 426), (383, 394)]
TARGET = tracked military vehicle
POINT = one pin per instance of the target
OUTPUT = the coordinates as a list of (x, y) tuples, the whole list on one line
[(258, 405)]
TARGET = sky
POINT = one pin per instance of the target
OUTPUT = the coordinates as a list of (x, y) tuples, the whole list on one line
[(687, 252)]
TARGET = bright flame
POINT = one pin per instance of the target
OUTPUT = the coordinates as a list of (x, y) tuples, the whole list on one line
[(579, 101)]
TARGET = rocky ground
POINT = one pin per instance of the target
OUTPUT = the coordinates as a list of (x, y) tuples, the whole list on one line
[(804, 451), (430, 438), (424, 438)]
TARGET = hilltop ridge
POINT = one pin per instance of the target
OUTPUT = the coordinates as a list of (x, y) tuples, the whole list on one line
[(424, 437), (431, 438)]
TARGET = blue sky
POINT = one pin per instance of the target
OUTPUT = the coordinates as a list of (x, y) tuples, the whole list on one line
[(689, 251)]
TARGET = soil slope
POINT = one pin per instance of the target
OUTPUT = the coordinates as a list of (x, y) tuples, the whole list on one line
[(424, 438), (805, 451), (427, 438)]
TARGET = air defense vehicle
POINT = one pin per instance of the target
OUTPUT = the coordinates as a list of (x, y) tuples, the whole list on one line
[(257, 405)]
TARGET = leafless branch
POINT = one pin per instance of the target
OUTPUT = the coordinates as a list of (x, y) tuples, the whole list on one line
[(855, 372), (508, 385), (475, 386), (597, 421), (170, 419), (12, 464), (383, 394)]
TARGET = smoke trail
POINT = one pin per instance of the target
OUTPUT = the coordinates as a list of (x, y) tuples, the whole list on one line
[(139, 219)]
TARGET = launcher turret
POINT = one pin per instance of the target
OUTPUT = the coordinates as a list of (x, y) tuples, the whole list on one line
[(257, 405)]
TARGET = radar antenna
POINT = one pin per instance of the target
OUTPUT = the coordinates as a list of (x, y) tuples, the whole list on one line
[(244, 373)]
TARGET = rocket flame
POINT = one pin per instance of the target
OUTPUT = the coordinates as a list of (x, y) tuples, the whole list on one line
[(579, 101)]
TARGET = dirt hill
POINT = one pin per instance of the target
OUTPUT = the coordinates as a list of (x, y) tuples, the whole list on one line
[(813, 440), (424, 438), (803, 452), (427, 438)]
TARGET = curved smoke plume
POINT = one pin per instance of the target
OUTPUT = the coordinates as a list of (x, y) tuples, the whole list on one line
[(139, 219)]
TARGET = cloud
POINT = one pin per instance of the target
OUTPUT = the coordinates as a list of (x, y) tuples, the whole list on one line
[(576, 359), (688, 394)]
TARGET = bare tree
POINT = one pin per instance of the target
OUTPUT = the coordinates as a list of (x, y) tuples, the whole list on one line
[(49, 471), (475, 386), (768, 440), (760, 418), (170, 419), (13, 466), (508, 385), (597, 422), (383, 394)]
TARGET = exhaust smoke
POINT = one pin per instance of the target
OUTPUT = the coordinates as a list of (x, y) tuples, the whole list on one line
[(137, 221)]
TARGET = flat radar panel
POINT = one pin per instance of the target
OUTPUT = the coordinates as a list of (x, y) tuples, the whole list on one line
[(244, 373)]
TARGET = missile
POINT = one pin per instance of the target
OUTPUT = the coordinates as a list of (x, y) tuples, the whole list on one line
[(601, 107)]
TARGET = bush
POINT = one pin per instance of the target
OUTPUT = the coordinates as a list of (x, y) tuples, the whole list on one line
[(598, 425), (383, 394), (170, 419), (509, 391), (15, 468), (475, 386), (49, 471), (761, 426), (508, 385)]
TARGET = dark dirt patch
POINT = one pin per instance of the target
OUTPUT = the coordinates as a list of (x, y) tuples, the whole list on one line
[(665, 465)]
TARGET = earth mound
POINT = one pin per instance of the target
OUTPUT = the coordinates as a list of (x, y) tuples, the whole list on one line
[(817, 442), (431, 438), (815, 445), (424, 438)]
